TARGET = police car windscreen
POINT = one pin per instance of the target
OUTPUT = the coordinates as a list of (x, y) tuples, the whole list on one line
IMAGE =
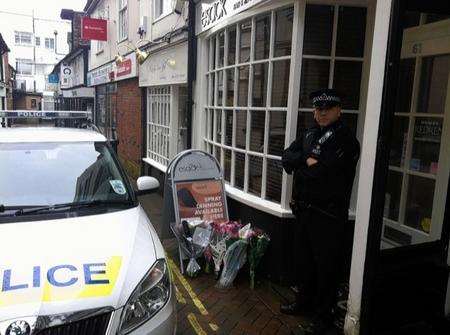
[(53, 173)]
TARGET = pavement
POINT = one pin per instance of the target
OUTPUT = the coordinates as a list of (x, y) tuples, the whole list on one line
[(205, 309)]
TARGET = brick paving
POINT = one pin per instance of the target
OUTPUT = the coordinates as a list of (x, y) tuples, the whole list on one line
[(238, 310)]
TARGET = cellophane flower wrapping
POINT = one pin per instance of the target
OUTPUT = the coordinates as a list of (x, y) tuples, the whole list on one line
[(235, 258)]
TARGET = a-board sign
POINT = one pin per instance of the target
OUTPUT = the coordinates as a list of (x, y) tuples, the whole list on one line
[(201, 200), (194, 189)]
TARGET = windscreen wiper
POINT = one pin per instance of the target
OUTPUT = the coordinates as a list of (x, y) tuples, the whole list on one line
[(72, 205)]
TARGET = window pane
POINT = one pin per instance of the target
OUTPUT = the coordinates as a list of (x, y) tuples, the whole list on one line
[(351, 31), (255, 175), (245, 40), (218, 126), (243, 86), (304, 122), (221, 48), (351, 120), (262, 37), (277, 132), (227, 165), (405, 85), (219, 88), (232, 45), (315, 74), (419, 203), (211, 123), (393, 194), (241, 128), (274, 178), (217, 153), (257, 131), (239, 170), (213, 53), (260, 75), (347, 80), (399, 139), (426, 145), (212, 92), (318, 30), (228, 127), (280, 83), (230, 88), (283, 32), (433, 84)]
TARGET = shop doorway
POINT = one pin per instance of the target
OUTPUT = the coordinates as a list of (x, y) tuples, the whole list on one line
[(407, 263)]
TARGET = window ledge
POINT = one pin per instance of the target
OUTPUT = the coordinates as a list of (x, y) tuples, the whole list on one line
[(155, 164), (265, 205), (258, 203), (99, 52), (162, 16)]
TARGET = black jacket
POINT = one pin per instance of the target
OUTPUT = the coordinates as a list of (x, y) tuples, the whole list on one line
[(327, 184)]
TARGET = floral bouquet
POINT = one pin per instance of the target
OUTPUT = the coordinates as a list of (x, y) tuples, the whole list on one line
[(258, 246)]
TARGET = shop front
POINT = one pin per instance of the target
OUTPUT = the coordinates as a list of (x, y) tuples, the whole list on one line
[(257, 63), (118, 108), (163, 77), (78, 99)]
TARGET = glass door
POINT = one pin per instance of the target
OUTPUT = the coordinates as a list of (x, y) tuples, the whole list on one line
[(419, 161)]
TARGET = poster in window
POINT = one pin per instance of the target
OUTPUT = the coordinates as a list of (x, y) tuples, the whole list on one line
[(201, 200)]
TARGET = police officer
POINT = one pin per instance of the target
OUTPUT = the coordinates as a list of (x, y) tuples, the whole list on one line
[(323, 160)]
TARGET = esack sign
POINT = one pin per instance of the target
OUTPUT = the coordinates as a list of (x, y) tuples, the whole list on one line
[(62, 275)]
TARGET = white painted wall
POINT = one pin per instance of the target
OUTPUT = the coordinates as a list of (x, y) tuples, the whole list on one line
[(158, 27), (104, 52), (45, 58)]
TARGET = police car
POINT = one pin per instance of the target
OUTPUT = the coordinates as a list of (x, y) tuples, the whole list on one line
[(78, 254)]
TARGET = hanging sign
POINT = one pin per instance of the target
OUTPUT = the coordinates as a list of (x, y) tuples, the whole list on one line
[(94, 29), (66, 75)]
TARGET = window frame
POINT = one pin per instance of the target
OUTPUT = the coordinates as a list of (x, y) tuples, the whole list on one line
[(282, 209), (49, 43), (37, 41), (122, 20), (158, 12), (19, 35), (24, 61), (101, 13)]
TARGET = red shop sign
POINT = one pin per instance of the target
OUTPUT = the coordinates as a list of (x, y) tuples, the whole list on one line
[(94, 29), (124, 68)]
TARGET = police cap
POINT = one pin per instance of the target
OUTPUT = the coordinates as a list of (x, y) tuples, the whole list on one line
[(325, 98)]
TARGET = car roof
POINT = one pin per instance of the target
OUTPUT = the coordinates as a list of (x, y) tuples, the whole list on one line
[(48, 134)]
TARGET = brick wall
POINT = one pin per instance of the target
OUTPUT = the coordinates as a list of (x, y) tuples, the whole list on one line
[(129, 130)]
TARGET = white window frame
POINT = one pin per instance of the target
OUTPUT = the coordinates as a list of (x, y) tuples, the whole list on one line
[(101, 13), (162, 125), (20, 35), (24, 61), (280, 209), (158, 12), (122, 20), (49, 43)]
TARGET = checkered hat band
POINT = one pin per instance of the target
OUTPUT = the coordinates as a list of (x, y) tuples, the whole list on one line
[(326, 97)]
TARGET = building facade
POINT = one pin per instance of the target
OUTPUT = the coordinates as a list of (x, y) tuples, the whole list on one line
[(163, 78), (5, 75), (118, 98), (36, 44)]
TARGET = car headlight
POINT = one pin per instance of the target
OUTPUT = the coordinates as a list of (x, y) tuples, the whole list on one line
[(148, 298)]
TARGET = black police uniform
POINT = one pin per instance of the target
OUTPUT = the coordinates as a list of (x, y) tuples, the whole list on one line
[(321, 197)]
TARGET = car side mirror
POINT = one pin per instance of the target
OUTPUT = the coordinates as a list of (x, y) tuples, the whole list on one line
[(147, 185)]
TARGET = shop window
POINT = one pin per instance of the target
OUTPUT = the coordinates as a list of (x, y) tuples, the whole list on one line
[(418, 171), (333, 62), (248, 76), (158, 124), (33, 103), (123, 20)]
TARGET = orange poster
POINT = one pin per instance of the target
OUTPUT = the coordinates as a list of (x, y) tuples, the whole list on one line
[(201, 200)]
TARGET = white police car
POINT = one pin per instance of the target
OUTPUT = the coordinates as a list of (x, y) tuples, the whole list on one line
[(78, 254)]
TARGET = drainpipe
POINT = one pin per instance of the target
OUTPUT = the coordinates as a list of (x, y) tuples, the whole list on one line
[(192, 69)]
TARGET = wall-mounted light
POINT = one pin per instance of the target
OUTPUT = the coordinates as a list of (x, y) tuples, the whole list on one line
[(140, 55)]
